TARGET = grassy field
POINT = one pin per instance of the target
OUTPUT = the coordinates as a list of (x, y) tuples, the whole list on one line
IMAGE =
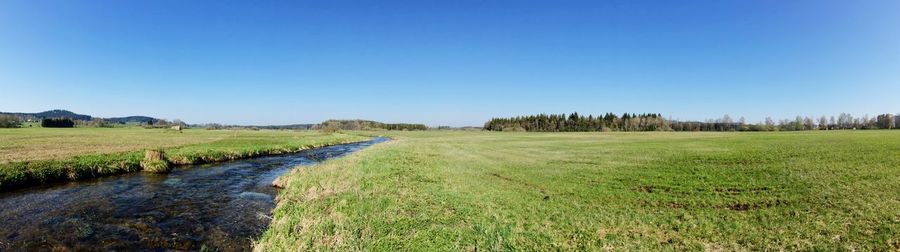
[(36, 155), (596, 191)]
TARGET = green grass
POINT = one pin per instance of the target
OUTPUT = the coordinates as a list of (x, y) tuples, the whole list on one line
[(30, 156), (599, 191), (30, 125)]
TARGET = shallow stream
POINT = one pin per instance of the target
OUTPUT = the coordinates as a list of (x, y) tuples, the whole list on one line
[(222, 206)]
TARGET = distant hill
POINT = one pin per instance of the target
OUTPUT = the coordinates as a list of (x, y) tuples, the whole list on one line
[(60, 113), (56, 113)]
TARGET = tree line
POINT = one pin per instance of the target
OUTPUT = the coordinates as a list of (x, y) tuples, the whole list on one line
[(9, 121), (334, 125), (576, 122), (656, 122), (844, 121)]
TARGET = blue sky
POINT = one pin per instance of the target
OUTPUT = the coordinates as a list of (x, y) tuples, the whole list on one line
[(448, 62)]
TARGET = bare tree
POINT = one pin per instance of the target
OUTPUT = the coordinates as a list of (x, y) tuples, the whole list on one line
[(885, 121), (823, 123), (178, 122), (845, 121), (743, 124), (770, 124), (98, 122), (809, 124), (727, 123), (862, 122)]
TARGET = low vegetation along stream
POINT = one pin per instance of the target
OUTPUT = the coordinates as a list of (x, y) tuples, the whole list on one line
[(215, 206)]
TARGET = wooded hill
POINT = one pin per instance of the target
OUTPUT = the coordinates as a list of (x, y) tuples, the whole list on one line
[(60, 113), (56, 113)]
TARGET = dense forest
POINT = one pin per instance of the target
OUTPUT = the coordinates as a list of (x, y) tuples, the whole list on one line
[(576, 122), (656, 122)]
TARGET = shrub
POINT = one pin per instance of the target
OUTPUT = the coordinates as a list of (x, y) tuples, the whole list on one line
[(8, 121), (98, 122), (57, 123), (330, 127)]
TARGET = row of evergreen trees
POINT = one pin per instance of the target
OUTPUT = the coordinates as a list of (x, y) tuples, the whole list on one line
[(57, 123), (656, 122), (576, 122)]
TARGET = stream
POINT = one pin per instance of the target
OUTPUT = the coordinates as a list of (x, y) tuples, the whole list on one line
[(221, 206)]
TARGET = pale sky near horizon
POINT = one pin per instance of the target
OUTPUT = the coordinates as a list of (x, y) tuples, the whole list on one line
[(453, 63)]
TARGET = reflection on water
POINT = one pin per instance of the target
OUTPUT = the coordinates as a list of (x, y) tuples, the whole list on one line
[(219, 206)]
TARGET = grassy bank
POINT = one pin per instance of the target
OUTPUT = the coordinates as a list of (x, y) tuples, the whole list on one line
[(591, 191), (39, 155)]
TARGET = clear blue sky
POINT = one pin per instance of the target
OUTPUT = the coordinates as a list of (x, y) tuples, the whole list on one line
[(448, 62)]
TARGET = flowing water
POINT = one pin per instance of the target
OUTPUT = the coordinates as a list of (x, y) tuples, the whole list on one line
[(221, 206)]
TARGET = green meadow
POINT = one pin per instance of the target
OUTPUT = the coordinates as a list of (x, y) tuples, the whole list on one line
[(30, 156), (444, 190), (472, 190)]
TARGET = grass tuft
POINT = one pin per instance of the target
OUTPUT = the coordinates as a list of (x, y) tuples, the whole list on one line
[(155, 161), (156, 166)]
